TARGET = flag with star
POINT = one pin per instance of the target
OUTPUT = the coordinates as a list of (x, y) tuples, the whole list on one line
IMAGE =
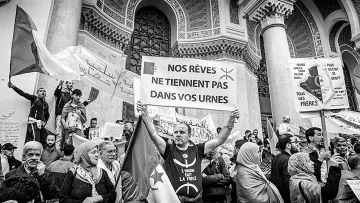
[(29, 53), (143, 162)]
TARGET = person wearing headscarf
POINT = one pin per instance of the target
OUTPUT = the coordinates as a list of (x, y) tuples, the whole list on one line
[(86, 182), (251, 184), (33, 166), (304, 186)]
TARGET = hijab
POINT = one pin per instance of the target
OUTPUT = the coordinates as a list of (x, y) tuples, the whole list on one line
[(85, 170), (247, 155), (300, 163), (81, 155)]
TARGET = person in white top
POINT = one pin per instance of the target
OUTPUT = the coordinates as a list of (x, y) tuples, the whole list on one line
[(107, 160)]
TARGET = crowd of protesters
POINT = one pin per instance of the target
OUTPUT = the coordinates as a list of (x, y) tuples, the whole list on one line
[(52, 170)]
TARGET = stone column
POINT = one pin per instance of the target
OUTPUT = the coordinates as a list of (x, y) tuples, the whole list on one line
[(270, 14), (62, 32), (64, 25)]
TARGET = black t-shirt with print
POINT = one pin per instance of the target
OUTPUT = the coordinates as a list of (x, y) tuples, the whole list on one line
[(184, 168)]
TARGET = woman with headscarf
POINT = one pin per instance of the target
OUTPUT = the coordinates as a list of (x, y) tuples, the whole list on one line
[(251, 184), (86, 182), (304, 187)]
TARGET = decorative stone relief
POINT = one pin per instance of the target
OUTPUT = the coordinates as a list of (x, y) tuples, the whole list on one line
[(234, 12), (215, 13), (298, 30), (114, 9), (102, 29), (198, 14), (270, 7), (193, 17), (356, 4), (327, 6), (221, 48), (313, 28)]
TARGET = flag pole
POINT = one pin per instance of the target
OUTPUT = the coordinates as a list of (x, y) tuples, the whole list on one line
[(127, 150), (323, 126)]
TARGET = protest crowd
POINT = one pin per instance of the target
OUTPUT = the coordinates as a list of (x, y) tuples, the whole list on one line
[(76, 163), (52, 169)]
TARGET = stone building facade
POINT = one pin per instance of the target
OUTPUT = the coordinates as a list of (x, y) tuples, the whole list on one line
[(261, 34)]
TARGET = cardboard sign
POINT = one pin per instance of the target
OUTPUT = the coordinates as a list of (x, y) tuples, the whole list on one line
[(318, 84), (355, 187), (112, 130), (190, 83), (345, 122), (94, 93)]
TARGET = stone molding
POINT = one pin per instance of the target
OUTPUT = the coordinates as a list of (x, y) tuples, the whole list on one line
[(97, 25), (214, 49), (259, 10)]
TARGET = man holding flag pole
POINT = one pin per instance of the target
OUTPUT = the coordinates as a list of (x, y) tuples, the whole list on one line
[(182, 161)]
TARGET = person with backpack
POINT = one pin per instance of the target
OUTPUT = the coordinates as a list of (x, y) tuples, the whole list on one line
[(38, 116)]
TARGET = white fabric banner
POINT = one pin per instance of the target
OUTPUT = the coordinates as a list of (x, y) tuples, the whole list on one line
[(98, 73), (318, 84), (191, 83), (345, 122), (51, 65)]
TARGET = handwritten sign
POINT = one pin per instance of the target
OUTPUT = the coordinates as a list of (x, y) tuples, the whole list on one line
[(9, 129), (199, 132), (318, 84), (192, 83), (112, 130), (96, 72), (355, 187)]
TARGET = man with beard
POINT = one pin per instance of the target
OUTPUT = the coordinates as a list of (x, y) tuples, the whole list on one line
[(7, 150), (182, 161), (279, 166), (50, 154), (38, 116), (341, 148), (32, 165), (315, 149), (73, 117)]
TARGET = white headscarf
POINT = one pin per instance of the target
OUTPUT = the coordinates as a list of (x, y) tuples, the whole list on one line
[(247, 157)]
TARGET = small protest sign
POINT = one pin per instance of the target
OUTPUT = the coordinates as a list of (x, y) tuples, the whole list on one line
[(112, 130), (191, 83)]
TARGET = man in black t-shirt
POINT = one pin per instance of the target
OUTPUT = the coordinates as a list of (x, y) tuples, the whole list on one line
[(182, 161)]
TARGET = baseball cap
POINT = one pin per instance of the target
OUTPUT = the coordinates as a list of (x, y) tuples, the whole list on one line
[(8, 146)]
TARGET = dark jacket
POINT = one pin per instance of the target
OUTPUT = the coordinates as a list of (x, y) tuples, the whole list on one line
[(75, 190), (13, 163), (39, 107), (46, 186), (280, 175), (62, 97), (58, 171), (216, 181), (314, 157)]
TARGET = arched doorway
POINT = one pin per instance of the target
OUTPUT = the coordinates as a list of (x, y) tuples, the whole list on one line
[(151, 37)]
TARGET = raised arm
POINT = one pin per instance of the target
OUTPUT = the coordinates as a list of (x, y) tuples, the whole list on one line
[(224, 134), (22, 93), (157, 140)]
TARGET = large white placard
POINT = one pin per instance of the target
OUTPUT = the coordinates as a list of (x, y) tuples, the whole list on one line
[(192, 83), (318, 84)]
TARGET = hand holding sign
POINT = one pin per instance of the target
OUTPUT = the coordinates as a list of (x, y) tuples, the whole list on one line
[(142, 109), (234, 115)]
